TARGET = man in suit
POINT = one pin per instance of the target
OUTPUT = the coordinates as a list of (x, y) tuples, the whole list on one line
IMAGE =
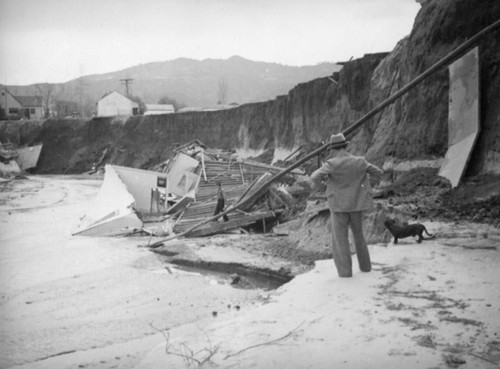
[(348, 192)]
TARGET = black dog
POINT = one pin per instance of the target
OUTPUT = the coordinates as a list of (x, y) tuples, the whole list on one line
[(398, 231)]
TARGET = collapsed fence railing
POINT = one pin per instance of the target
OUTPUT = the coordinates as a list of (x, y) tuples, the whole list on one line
[(253, 195)]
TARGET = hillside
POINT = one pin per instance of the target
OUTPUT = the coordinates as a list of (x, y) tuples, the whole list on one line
[(192, 82)]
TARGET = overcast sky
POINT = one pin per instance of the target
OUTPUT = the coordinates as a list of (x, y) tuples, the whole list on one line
[(59, 40)]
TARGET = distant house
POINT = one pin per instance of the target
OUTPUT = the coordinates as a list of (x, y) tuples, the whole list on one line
[(114, 103), (20, 107), (156, 109), (207, 108)]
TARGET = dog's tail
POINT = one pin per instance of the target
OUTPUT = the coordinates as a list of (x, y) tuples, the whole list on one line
[(428, 234)]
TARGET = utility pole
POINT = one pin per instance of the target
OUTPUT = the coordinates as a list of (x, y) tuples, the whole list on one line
[(222, 93), (81, 92), (126, 82)]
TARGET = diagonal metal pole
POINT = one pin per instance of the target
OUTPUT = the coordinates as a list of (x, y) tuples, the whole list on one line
[(448, 59), (445, 61)]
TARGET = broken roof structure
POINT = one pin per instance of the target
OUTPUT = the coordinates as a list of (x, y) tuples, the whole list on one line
[(124, 195), (112, 212), (182, 195), (237, 178)]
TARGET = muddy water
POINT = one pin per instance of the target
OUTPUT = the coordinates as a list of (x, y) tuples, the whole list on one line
[(78, 297), (236, 275)]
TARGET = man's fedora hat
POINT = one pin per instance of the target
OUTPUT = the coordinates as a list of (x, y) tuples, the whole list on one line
[(338, 140)]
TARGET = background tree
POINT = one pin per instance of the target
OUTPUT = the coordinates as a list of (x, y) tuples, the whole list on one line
[(169, 100), (64, 108), (142, 106), (45, 90)]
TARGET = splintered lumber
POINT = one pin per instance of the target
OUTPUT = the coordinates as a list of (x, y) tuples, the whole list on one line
[(198, 212), (180, 205), (250, 188), (253, 191), (452, 56), (242, 176), (203, 165), (230, 174), (219, 227), (190, 143), (207, 193), (272, 168)]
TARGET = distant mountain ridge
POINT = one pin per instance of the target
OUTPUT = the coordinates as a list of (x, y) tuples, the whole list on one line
[(193, 82)]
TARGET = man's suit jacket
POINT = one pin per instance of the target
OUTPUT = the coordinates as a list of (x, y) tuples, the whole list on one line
[(346, 178)]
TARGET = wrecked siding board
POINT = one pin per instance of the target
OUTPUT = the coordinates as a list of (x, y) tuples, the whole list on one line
[(181, 164), (234, 222), (27, 157), (235, 179), (139, 183)]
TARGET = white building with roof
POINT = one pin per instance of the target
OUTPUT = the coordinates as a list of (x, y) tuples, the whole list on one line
[(114, 103), (157, 109)]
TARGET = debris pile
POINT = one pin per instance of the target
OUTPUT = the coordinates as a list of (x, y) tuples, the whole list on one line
[(14, 159), (8, 165), (237, 177), (425, 194), (477, 199), (182, 192), (180, 198)]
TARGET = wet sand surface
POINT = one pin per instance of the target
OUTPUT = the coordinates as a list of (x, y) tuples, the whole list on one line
[(91, 301), (80, 302)]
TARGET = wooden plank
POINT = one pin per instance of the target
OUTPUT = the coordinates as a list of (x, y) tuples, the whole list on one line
[(203, 165), (218, 227), (181, 204), (271, 167), (242, 176)]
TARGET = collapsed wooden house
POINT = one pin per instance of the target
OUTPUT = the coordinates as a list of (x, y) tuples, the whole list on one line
[(236, 177), (179, 194)]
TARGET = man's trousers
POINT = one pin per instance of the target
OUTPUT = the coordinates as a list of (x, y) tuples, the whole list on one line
[(340, 242)]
